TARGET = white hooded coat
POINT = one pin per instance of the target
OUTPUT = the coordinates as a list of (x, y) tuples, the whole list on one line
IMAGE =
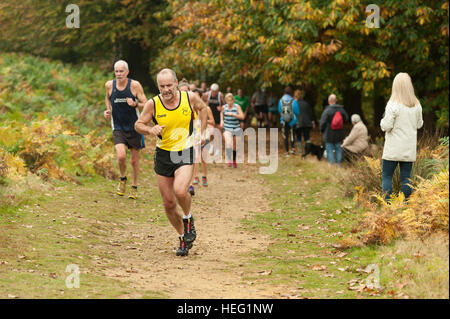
[(401, 123)]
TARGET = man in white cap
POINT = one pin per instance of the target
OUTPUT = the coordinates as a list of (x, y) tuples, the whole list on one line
[(357, 141)]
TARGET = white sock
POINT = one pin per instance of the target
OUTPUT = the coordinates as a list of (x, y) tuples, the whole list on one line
[(187, 217)]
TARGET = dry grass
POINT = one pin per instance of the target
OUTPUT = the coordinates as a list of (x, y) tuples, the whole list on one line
[(15, 194), (416, 268), (426, 212), (432, 157)]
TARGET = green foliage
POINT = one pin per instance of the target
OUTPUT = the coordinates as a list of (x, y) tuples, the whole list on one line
[(50, 115), (31, 86), (105, 27), (50, 148), (325, 45)]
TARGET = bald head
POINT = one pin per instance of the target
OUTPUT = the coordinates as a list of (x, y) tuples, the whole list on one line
[(332, 99), (121, 63), (121, 70), (165, 73), (168, 84)]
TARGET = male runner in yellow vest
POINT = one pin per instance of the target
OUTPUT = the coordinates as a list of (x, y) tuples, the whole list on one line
[(173, 115)]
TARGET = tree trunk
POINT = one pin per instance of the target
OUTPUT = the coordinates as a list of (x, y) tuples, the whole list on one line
[(352, 102), (138, 62)]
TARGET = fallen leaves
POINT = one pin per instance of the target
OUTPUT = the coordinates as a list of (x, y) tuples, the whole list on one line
[(319, 267), (303, 227), (360, 287)]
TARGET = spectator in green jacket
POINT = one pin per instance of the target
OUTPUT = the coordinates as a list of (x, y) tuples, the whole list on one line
[(244, 103)]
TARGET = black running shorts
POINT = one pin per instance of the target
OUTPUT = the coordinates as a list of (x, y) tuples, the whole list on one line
[(261, 108), (131, 139), (166, 162)]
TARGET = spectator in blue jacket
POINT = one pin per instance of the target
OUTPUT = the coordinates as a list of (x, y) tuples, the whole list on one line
[(289, 111)]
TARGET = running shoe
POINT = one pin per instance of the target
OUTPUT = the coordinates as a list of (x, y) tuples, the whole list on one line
[(121, 188), (133, 193), (183, 250), (204, 181), (191, 190), (234, 164), (189, 231), (196, 181), (293, 152), (229, 164)]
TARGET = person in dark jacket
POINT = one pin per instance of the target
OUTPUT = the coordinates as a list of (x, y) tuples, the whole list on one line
[(305, 122), (333, 137)]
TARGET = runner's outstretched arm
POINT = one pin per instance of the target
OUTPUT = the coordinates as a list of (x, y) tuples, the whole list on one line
[(142, 99), (210, 116), (240, 115), (107, 112), (139, 93), (142, 124), (202, 112)]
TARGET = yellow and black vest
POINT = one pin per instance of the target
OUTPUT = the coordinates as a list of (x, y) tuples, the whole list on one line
[(179, 124)]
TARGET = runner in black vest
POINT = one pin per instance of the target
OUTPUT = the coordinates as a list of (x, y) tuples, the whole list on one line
[(214, 99), (123, 98)]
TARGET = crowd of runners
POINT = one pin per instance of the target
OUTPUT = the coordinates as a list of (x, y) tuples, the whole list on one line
[(189, 124)]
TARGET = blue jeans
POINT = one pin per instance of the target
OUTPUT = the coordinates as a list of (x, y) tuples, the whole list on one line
[(334, 152), (388, 168)]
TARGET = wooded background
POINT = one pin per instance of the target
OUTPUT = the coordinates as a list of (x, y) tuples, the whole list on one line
[(320, 46)]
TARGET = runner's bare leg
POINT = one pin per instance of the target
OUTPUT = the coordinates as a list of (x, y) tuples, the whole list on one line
[(121, 152), (165, 185), (182, 179), (135, 165)]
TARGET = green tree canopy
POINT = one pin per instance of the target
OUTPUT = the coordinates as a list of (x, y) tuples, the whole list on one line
[(109, 30), (321, 44)]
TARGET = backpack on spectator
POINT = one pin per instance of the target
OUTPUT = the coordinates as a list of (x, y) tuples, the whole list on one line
[(337, 123), (287, 113)]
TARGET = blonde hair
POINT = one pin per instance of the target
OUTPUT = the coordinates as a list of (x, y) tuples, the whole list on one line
[(403, 90), (229, 96)]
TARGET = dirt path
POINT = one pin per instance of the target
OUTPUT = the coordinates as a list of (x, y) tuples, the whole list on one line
[(213, 268)]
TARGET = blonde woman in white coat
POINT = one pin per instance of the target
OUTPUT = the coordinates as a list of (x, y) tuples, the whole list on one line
[(402, 119)]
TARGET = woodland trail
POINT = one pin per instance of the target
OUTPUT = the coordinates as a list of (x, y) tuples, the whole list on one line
[(213, 267)]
